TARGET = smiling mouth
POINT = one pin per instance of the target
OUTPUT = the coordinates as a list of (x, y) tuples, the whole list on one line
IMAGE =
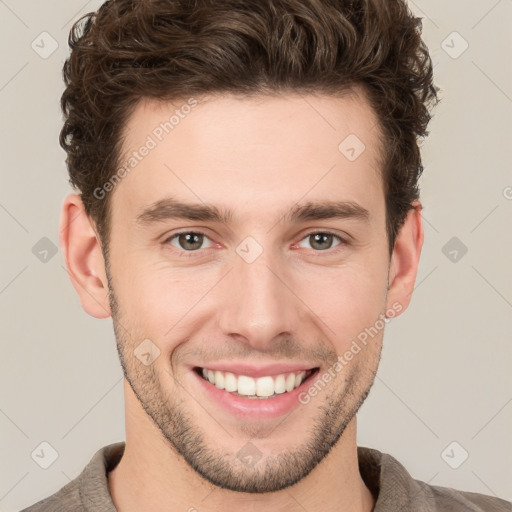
[(269, 386)]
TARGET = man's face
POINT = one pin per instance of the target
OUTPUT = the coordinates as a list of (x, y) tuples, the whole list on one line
[(265, 289)]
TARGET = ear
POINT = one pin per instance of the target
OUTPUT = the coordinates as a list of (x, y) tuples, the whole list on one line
[(84, 260), (405, 259)]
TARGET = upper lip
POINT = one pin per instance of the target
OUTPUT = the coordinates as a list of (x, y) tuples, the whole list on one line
[(243, 368)]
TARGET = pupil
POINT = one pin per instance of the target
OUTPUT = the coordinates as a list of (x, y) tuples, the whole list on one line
[(194, 239), (322, 237)]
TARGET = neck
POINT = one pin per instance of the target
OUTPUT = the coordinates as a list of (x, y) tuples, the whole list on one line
[(152, 476)]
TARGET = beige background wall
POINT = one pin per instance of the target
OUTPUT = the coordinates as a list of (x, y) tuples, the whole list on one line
[(446, 365)]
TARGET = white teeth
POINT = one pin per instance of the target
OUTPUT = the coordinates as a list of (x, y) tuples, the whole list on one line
[(298, 378), (265, 386), (290, 382), (280, 384), (260, 387), (230, 382), (219, 379), (246, 385)]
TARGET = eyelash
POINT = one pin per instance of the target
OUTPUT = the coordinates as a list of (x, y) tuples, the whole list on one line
[(192, 254)]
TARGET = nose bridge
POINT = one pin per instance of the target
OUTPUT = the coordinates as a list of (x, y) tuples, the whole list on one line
[(259, 306)]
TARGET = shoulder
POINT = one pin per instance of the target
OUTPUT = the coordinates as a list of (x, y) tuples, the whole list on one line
[(67, 499), (446, 498), (396, 490), (89, 490)]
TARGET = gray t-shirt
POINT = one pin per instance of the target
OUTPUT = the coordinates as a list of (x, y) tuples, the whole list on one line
[(394, 489)]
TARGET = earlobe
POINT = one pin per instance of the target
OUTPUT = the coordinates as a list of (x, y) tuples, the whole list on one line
[(405, 259), (83, 257)]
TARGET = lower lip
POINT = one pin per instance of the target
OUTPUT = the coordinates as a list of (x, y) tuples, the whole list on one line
[(255, 408)]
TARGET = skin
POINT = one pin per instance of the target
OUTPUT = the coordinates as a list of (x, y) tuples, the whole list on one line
[(294, 302)]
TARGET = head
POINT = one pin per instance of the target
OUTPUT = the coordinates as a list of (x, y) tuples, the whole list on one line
[(294, 128)]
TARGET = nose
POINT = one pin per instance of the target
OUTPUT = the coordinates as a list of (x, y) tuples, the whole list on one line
[(260, 304)]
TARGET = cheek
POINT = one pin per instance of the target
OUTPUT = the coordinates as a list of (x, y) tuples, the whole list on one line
[(347, 300), (161, 301)]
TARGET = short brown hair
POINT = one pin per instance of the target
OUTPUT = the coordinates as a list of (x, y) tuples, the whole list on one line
[(174, 49)]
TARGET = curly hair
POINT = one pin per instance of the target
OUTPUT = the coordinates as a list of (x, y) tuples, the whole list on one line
[(171, 49)]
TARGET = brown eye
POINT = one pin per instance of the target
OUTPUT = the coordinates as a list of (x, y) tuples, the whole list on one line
[(322, 241), (188, 241)]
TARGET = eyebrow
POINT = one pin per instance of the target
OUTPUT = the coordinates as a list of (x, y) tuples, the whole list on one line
[(170, 208)]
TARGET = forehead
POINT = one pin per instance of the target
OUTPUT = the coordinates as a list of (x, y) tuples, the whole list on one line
[(257, 151)]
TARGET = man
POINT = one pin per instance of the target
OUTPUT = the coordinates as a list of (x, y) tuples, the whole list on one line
[(248, 213)]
